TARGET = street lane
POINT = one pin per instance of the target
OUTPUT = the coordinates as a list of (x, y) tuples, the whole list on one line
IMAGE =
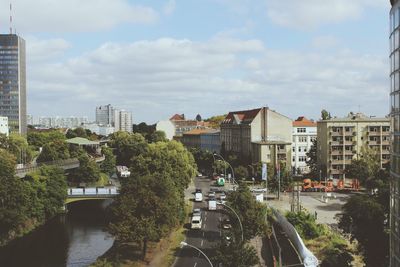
[(206, 238)]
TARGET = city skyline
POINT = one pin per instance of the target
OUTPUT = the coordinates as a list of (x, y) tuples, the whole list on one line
[(246, 53)]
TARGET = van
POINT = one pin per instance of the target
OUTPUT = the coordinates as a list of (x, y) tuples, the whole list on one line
[(212, 204), (198, 197), (196, 222)]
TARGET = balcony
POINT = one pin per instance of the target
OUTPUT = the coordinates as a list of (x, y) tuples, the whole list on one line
[(385, 152), (350, 133), (340, 133), (349, 152), (386, 142), (334, 171), (336, 162), (336, 152), (374, 143), (348, 143), (374, 133), (336, 143)]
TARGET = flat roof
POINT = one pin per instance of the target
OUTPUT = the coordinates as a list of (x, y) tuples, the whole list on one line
[(82, 141)]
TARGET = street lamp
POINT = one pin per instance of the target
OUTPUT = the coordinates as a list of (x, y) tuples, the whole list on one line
[(233, 173), (240, 222), (199, 250)]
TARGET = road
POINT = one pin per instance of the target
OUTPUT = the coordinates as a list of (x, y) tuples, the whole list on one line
[(206, 238)]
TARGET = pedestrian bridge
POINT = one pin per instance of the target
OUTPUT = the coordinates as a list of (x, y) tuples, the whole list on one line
[(90, 193)]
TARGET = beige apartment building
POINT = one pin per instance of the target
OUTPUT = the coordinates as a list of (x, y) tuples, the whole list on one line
[(259, 134), (340, 140)]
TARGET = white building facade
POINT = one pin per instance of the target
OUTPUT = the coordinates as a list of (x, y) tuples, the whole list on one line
[(304, 134), (123, 121), (4, 126)]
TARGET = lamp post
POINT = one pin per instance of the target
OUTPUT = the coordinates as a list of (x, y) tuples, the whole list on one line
[(230, 166), (240, 222), (199, 250)]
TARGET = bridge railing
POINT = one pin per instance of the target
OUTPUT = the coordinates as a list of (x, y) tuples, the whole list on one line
[(92, 191)]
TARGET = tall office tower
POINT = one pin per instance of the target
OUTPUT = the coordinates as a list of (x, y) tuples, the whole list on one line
[(123, 121), (105, 115), (13, 82), (395, 134)]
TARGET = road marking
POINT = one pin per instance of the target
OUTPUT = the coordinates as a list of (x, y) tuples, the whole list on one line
[(203, 234), (195, 264), (220, 233), (205, 225), (201, 243), (205, 219)]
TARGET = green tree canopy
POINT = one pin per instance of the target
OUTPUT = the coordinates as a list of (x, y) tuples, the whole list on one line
[(127, 146), (108, 165), (56, 150), (39, 139), (252, 213), (18, 146), (156, 136), (147, 208), (241, 173), (236, 255), (87, 172), (365, 219)]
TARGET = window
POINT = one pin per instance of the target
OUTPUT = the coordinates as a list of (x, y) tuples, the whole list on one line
[(301, 130), (313, 138), (302, 159), (302, 139)]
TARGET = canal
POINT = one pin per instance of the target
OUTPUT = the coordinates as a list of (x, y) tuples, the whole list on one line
[(75, 239)]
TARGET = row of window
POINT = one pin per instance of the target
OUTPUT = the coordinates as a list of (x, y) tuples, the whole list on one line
[(304, 139), (300, 149), (300, 159)]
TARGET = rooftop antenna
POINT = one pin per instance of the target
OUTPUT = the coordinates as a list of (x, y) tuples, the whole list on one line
[(10, 18)]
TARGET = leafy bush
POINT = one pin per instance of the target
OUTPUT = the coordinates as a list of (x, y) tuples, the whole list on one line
[(305, 224)]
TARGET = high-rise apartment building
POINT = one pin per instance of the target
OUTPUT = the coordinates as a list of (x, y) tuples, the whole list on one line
[(123, 121), (304, 134), (395, 133), (13, 82), (105, 115), (340, 140)]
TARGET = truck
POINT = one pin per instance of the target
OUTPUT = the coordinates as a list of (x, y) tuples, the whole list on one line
[(198, 197), (314, 186), (212, 204)]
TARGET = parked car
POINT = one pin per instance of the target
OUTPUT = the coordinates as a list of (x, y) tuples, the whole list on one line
[(198, 197), (226, 224), (222, 196), (211, 195), (196, 212)]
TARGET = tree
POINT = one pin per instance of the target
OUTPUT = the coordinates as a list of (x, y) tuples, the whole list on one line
[(127, 146), (18, 146), (204, 160), (13, 197), (236, 255), (87, 172), (325, 115), (365, 220), (215, 121), (305, 224), (157, 136), (52, 151), (169, 158), (337, 254), (241, 173), (147, 208), (251, 213), (312, 161), (108, 165), (77, 132), (198, 117), (39, 139)]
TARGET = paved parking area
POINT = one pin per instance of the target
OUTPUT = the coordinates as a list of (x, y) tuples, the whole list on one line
[(313, 202)]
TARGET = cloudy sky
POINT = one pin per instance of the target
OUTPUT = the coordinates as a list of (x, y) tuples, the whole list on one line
[(157, 58)]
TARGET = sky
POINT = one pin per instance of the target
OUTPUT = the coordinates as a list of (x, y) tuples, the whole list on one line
[(208, 57)]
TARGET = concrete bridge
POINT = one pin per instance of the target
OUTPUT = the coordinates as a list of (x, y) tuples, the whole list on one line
[(90, 193), (65, 164)]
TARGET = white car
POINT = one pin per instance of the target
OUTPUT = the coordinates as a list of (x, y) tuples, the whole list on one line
[(197, 212), (198, 197), (211, 195), (222, 196), (196, 222)]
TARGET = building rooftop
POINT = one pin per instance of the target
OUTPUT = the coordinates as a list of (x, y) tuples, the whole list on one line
[(244, 116), (200, 131), (359, 117), (178, 117), (304, 122), (82, 141)]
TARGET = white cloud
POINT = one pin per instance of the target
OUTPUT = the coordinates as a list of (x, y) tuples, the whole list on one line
[(73, 15), (43, 50), (309, 14), (156, 78), (324, 42), (169, 7)]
